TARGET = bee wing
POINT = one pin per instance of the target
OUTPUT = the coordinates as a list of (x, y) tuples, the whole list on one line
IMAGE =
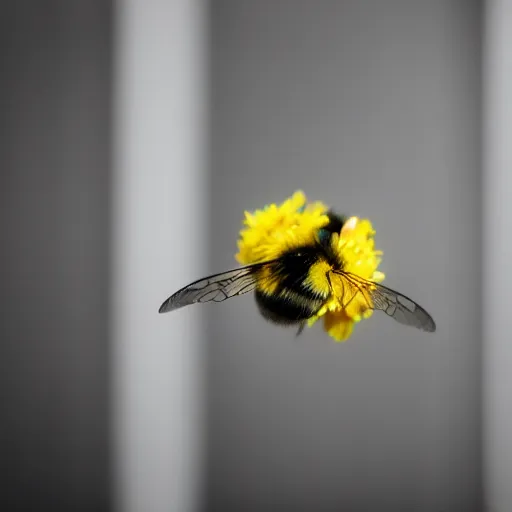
[(396, 305), (215, 288)]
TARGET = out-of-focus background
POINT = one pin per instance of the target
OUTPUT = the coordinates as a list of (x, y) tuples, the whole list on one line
[(134, 134)]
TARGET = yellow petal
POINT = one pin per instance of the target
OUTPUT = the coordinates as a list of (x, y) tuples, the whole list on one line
[(338, 325)]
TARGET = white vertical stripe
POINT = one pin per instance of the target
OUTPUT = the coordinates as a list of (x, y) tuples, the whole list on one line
[(159, 191), (497, 255)]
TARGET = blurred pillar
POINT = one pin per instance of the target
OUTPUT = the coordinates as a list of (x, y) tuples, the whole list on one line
[(497, 253), (158, 231)]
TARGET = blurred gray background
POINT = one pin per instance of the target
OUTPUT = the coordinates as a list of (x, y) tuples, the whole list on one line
[(54, 206), (373, 107)]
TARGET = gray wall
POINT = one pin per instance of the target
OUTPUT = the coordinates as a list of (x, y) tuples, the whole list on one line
[(373, 107), (497, 244), (54, 186)]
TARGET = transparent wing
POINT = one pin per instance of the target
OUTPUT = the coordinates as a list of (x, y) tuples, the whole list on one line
[(215, 288), (394, 304)]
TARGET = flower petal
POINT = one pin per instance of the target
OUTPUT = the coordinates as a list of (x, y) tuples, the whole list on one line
[(338, 325)]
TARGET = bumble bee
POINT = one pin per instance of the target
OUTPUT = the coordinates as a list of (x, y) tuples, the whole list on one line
[(292, 288)]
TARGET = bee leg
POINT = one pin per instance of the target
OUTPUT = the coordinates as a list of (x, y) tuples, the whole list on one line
[(301, 328)]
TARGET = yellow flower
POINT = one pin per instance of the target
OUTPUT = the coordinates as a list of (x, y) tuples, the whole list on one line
[(268, 233), (273, 230)]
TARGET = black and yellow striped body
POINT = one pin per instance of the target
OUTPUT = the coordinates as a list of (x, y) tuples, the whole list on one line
[(293, 288)]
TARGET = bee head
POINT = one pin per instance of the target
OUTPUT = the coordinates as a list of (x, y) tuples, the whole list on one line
[(336, 222)]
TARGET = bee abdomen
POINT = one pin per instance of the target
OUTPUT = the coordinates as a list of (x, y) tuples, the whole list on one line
[(288, 307)]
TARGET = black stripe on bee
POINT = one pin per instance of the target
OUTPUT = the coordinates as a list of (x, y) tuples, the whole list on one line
[(294, 267), (293, 300), (286, 308)]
